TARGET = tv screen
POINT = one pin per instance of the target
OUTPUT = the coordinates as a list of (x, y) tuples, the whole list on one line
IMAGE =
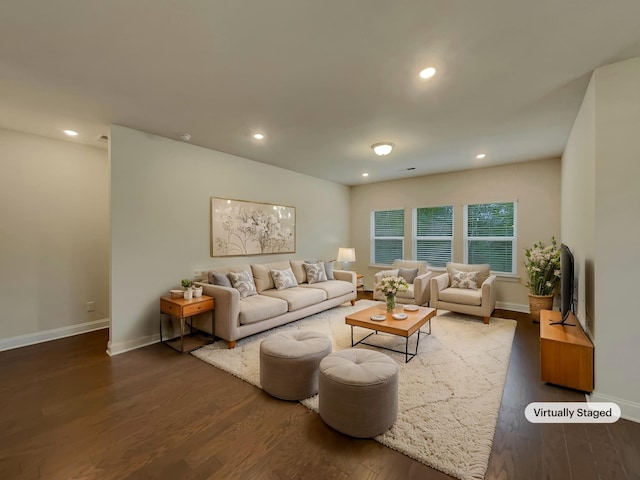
[(566, 282)]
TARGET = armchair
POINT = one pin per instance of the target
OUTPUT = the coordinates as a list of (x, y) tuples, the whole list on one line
[(459, 290), (418, 292)]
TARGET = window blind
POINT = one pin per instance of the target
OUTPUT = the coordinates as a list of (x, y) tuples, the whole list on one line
[(490, 235), (434, 235), (387, 236)]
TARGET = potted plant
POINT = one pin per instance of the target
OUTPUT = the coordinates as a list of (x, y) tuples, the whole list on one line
[(542, 264), (389, 286), (188, 292)]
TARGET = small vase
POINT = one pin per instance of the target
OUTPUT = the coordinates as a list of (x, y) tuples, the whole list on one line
[(197, 292), (391, 303), (188, 294)]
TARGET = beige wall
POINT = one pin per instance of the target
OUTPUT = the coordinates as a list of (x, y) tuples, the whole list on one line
[(616, 200), (54, 238), (535, 186), (160, 220)]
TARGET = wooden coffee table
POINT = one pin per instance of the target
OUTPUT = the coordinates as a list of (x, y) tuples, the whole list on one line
[(402, 328)]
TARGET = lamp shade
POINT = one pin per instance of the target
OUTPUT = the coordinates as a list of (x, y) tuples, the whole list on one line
[(346, 254)]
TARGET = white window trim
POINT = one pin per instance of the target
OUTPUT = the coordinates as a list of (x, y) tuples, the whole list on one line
[(373, 238), (513, 238), (415, 237)]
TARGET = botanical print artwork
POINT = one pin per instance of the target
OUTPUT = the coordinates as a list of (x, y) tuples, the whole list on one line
[(248, 228)]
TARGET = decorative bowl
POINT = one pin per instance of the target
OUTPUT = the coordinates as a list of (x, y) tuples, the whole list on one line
[(411, 308), (400, 316), (176, 293)]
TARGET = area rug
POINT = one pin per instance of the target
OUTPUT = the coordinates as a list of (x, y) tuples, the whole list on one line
[(449, 394)]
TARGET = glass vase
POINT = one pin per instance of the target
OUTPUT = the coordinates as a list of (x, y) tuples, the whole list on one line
[(391, 303)]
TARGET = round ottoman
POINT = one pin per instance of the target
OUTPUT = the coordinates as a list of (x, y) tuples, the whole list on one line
[(358, 392), (289, 363)]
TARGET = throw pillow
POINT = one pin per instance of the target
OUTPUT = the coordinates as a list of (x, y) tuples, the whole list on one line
[(315, 272), (468, 280), (409, 274), (219, 279), (328, 269), (284, 279), (243, 282)]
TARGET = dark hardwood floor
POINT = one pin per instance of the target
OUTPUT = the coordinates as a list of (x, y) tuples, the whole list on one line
[(69, 411)]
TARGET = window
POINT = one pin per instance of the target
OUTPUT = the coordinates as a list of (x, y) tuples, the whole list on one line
[(490, 235), (387, 236), (433, 235)]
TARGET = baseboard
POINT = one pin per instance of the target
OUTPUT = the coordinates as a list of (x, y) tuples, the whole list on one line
[(514, 307), (54, 334), (629, 410), (122, 347)]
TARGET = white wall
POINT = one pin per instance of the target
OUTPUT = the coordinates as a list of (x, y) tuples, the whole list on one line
[(606, 141), (161, 192), (54, 238), (534, 185)]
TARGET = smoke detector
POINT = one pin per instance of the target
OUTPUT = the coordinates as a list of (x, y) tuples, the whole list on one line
[(185, 137)]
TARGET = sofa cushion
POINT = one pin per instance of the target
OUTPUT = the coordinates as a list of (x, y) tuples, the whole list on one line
[(333, 288), (262, 274), (259, 307), (284, 279), (461, 296), (483, 270), (409, 274), (328, 269), (468, 280), (390, 273), (243, 282), (298, 297), (315, 272), (219, 279), (297, 267)]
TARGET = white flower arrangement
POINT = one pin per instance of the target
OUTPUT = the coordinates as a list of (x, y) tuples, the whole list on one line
[(543, 267), (390, 285)]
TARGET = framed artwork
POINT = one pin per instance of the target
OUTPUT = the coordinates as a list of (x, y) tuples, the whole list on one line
[(250, 228)]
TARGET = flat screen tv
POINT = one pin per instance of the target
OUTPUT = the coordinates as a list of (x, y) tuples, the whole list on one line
[(566, 285)]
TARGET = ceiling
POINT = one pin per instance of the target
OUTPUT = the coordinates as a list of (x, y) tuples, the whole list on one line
[(322, 80)]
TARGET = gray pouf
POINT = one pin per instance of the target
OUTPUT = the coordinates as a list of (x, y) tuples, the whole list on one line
[(289, 363), (358, 392)]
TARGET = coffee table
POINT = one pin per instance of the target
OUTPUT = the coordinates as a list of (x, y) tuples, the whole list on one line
[(403, 328)]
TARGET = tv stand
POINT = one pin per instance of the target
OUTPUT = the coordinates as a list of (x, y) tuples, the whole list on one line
[(566, 354)]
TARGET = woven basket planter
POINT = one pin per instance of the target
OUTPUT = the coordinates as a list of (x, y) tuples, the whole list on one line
[(537, 303)]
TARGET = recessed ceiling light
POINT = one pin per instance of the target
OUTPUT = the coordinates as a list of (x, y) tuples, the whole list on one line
[(382, 148), (427, 73), (258, 136), (365, 174), (480, 156), (71, 133)]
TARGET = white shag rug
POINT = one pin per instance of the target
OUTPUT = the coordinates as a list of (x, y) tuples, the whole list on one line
[(449, 394)]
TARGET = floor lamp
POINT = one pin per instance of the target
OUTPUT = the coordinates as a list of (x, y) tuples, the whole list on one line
[(346, 255)]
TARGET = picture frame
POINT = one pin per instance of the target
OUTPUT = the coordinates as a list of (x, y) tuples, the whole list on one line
[(242, 228)]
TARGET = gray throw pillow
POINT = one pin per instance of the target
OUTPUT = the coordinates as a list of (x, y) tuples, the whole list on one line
[(284, 279), (315, 272), (243, 282), (409, 274), (328, 269), (219, 279)]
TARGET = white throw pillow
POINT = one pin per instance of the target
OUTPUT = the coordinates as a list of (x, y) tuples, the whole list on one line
[(468, 280), (243, 282), (284, 279), (315, 272)]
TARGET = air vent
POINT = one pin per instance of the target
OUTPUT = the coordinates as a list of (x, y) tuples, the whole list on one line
[(407, 169), (103, 138)]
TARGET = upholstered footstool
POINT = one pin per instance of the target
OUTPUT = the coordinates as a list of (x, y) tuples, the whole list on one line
[(358, 392), (289, 363)]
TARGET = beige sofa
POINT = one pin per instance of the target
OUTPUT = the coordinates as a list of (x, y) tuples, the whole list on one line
[(477, 299), (236, 317), (418, 292)]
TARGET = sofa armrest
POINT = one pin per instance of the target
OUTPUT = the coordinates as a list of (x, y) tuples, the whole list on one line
[(422, 288), (438, 283), (347, 276), (226, 310), (489, 292)]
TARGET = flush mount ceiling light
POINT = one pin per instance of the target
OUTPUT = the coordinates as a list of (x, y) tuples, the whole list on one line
[(382, 148), (258, 136), (427, 73), (71, 133), (185, 137), (365, 174), (480, 156)]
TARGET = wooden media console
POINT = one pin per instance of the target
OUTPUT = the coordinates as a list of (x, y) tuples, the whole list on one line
[(566, 353)]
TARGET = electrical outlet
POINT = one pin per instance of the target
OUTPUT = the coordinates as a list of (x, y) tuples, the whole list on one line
[(91, 306)]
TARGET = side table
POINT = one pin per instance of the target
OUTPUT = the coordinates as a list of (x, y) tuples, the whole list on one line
[(359, 281), (182, 309)]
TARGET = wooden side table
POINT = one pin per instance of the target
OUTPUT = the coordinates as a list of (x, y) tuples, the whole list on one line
[(182, 309), (359, 281)]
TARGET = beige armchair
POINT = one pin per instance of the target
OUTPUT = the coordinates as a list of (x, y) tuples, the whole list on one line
[(418, 292), (459, 290)]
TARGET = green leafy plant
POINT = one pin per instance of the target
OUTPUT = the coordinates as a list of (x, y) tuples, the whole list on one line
[(543, 267), (186, 283)]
